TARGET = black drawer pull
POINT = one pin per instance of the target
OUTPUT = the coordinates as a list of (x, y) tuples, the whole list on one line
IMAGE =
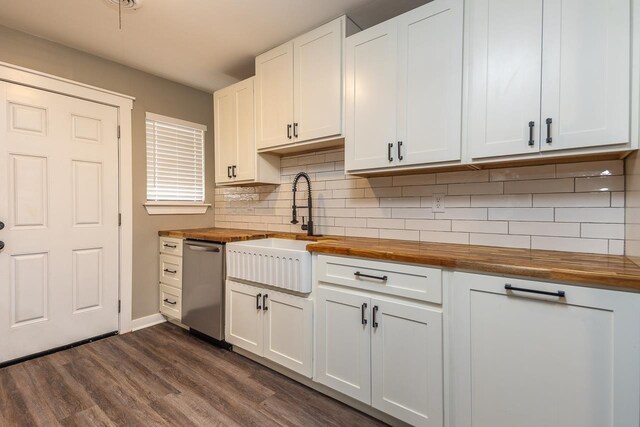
[(559, 294), (264, 302), (368, 276), (258, 307), (166, 245), (166, 270), (364, 308), (169, 301)]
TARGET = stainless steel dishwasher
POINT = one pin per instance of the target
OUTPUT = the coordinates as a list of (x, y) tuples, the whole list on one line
[(203, 288)]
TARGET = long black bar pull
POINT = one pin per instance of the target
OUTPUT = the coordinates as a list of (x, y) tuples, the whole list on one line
[(368, 276), (559, 294)]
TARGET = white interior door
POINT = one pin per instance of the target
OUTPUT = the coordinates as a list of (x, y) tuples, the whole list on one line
[(371, 97), (343, 338), (406, 362), (59, 203), (504, 75), (586, 73), (226, 138), (274, 97), (318, 75), (430, 83)]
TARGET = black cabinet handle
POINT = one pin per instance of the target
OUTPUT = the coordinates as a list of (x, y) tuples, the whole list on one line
[(399, 153), (389, 147), (289, 131), (166, 245), (1, 245), (233, 171), (264, 302), (368, 276), (559, 294), (229, 172), (295, 130), (531, 125), (169, 301), (548, 122), (374, 321), (364, 308), (258, 307), (1, 225), (166, 270)]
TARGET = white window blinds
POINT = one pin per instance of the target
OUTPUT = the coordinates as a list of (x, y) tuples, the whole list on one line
[(175, 160)]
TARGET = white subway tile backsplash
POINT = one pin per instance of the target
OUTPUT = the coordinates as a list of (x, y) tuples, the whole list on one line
[(575, 207)]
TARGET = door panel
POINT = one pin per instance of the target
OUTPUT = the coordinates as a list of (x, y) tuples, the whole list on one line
[(274, 96), (586, 73), (371, 97), (246, 142), (505, 49), (59, 201), (343, 360), (243, 326), (318, 81), (406, 362), (576, 356), (288, 326), (226, 133), (430, 83)]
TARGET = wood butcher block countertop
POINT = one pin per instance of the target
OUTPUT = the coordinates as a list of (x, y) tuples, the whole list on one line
[(603, 271)]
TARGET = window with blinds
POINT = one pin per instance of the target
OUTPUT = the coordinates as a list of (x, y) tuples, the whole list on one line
[(175, 160)]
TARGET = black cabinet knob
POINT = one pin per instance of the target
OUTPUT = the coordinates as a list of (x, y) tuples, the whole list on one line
[(1, 225), (1, 245)]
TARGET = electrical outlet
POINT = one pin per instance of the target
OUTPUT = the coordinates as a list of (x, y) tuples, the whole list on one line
[(438, 203)]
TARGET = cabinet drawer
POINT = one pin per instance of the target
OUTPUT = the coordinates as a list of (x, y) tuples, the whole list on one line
[(171, 270), (170, 301), (410, 281), (171, 246)]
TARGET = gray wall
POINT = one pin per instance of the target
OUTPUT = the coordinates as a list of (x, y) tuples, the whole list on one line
[(152, 94)]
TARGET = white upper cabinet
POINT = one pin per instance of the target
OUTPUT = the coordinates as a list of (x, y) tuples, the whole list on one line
[(504, 54), (404, 89), (299, 88), (548, 75), (234, 138), (586, 73), (274, 97), (371, 97), (318, 86)]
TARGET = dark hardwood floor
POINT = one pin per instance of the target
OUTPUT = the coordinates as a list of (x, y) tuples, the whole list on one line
[(160, 376)]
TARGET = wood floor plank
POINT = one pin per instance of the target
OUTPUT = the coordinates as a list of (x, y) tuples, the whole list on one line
[(161, 376)]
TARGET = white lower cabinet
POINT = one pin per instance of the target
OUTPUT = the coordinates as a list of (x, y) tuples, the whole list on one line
[(271, 324), (567, 358), (384, 351)]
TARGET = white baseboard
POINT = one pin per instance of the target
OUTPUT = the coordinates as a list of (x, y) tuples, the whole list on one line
[(145, 322)]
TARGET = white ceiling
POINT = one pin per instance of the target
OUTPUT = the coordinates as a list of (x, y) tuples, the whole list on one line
[(207, 44)]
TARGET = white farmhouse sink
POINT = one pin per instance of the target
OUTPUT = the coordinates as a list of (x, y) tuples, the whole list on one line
[(281, 263)]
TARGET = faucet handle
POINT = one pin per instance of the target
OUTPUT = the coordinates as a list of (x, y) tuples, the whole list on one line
[(304, 226)]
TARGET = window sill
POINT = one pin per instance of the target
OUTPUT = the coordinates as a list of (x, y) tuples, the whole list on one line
[(176, 208)]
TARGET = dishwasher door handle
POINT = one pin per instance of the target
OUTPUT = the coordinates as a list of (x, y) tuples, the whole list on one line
[(203, 248)]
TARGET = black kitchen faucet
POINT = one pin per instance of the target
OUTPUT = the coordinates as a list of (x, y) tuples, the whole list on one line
[(294, 219)]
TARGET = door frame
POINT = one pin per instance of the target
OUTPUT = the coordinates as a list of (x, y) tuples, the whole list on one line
[(124, 104)]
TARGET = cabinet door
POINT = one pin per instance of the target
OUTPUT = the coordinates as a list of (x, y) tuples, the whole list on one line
[(371, 82), (430, 83), (288, 328), (225, 133), (274, 96), (586, 73), (343, 355), (406, 362), (245, 164), (525, 359), (318, 86), (503, 69), (243, 315)]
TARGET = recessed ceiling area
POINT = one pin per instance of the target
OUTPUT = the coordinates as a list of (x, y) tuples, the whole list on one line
[(207, 44)]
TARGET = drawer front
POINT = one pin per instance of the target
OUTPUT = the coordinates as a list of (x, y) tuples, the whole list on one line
[(409, 281), (171, 246), (171, 270), (171, 301)]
